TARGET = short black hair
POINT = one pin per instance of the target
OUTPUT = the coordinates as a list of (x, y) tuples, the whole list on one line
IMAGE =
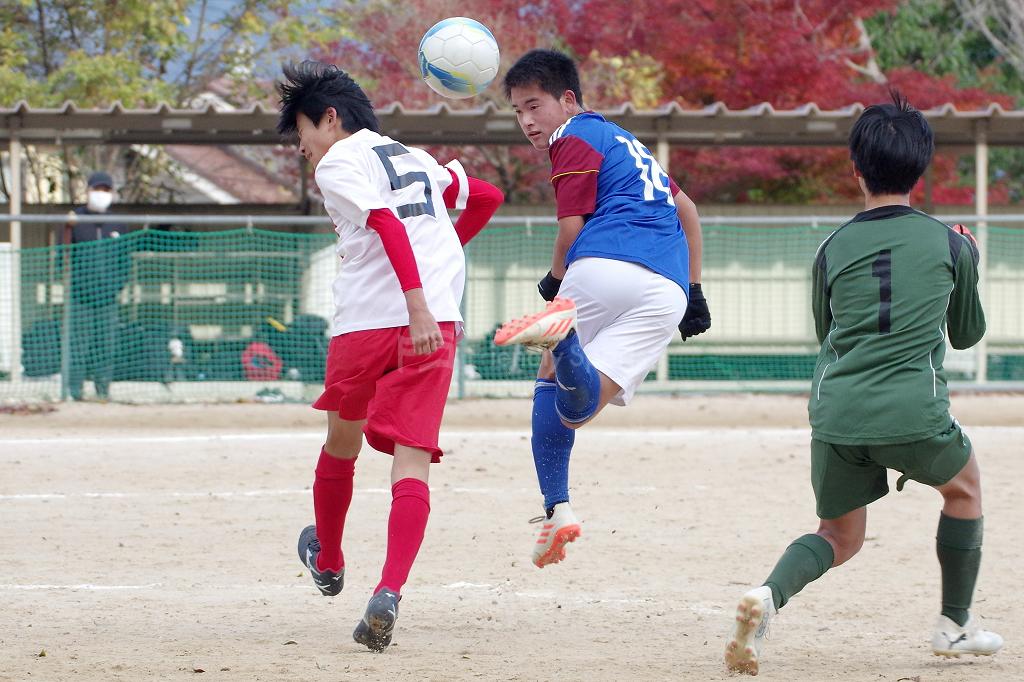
[(891, 145), (552, 71), (311, 87)]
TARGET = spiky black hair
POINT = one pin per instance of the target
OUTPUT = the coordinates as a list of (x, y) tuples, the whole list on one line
[(311, 87)]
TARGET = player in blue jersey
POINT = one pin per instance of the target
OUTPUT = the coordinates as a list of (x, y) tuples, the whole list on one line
[(626, 262)]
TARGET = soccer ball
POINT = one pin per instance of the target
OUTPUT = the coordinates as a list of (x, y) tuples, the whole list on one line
[(458, 57)]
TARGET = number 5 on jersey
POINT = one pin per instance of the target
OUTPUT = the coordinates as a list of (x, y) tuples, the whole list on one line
[(385, 152)]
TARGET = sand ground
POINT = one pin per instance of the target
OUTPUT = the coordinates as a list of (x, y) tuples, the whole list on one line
[(156, 542)]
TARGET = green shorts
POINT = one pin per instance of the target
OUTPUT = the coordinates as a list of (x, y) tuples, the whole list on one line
[(847, 477)]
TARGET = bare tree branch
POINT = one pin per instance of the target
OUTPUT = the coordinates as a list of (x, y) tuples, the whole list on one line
[(1002, 23), (71, 24), (47, 68), (196, 42), (871, 69)]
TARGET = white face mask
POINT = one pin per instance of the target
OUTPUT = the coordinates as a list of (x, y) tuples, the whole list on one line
[(99, 200)]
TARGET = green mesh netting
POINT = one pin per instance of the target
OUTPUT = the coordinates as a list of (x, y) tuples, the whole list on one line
[(245, 314)]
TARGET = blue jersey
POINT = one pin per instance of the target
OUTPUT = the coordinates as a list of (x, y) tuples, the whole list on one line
[(603, 173)]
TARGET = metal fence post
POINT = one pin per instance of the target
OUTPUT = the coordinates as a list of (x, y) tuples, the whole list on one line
[(65, 324), (460, 349), (15, 199), (981, 208)]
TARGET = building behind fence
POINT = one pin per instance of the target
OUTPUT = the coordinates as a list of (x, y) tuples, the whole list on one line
[(245, 313)]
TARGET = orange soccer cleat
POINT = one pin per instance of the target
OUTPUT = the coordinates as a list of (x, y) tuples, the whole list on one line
[(541, 330)]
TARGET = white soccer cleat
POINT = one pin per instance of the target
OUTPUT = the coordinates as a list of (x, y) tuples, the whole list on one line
[(562, 528), (754, 613), (952, 640), (541, 330)]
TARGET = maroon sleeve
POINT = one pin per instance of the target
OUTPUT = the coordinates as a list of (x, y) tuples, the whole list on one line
[(574, 168), (673, 187), (484, 199), (396, 246)]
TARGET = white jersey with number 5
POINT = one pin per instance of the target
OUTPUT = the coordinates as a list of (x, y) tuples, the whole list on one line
[(366, 171)]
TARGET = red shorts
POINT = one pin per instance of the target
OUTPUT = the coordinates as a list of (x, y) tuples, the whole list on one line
[(375, 375)]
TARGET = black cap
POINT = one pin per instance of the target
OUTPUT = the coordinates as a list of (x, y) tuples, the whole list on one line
[(101, 179)]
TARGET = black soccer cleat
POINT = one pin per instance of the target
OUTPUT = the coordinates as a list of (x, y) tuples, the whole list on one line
[(378, 624), (328, 582)]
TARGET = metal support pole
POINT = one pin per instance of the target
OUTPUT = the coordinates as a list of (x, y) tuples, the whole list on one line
[(460, 349), (662, 371), (15, 150), (981, 233), (303, 184), (929, 189), (663, 153)]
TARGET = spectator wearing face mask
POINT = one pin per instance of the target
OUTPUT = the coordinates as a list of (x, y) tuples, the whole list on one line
[(98, 270)]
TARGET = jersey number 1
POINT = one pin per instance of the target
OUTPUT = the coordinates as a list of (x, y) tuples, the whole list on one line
[(385, 152), (651, 174), (882, 269)]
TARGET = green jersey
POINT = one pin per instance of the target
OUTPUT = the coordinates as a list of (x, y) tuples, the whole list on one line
[(887, 288)]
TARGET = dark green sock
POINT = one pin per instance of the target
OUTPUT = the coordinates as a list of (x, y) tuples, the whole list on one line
[(804, 561), (958, 546)]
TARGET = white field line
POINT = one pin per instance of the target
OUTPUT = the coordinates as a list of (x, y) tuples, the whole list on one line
[(685, 434), (447, 434), (482, 591), (248, 494), (694, 434), (84, 587)]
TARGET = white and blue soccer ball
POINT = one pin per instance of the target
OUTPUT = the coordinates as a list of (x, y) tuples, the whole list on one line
[(458, 57)]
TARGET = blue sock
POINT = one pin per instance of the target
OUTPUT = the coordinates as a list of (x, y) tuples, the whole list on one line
[(552, 444), (579, 386)]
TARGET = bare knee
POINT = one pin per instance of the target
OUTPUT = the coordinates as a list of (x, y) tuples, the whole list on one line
[(961, 500), (845, 543), (344, 437), (965, 486), (343, 448), (962, 494)]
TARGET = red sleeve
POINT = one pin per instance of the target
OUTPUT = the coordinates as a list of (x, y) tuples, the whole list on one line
[(673, 187), (396, 246), (574, 168), (484, 199), (451, 192)]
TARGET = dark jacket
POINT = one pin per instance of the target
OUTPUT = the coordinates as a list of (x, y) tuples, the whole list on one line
[(99, 259)]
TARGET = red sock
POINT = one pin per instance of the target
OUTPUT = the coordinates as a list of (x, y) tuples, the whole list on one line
[(410, 507), (332, 493)]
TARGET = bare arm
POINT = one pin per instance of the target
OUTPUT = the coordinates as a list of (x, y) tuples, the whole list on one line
[(423, 329), (697, 319), (688, 216), (568, 229)]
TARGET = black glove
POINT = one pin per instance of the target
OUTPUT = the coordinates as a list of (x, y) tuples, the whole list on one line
[(548, 287), (697, 319)]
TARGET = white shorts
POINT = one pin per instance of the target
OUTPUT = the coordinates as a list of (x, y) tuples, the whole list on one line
[(627, 317)]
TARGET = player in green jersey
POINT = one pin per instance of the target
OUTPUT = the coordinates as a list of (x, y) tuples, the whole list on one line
[(889, 287)]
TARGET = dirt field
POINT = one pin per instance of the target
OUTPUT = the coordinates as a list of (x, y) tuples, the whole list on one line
[(159, 543)]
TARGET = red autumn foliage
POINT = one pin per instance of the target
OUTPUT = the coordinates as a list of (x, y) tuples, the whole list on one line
[(740, 52)]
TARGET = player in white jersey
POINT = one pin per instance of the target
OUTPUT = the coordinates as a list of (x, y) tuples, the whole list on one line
[(396, 321)]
